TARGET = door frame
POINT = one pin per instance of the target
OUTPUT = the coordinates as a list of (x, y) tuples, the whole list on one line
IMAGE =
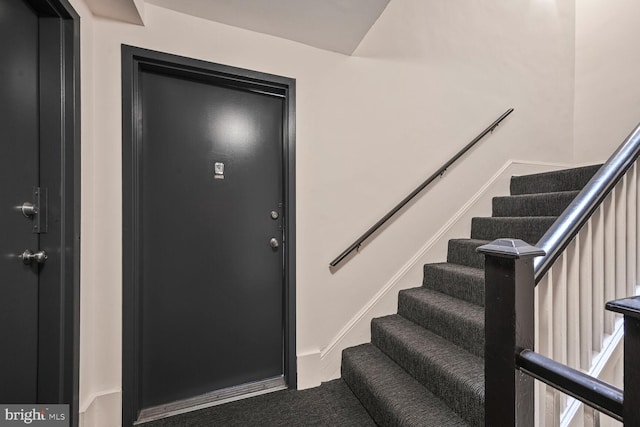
[(59, 156), (134, 61)]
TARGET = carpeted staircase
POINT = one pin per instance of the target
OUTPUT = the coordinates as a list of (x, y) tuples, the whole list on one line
[(424, 365)]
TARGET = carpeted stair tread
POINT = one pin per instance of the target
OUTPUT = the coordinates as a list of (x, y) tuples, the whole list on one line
[(448, 371), (458, 321), (463, 252), (390, 395), (459, 281), (529, 229), (541, 204), (547, 182)]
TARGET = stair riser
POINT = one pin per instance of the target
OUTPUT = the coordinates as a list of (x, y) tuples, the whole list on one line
[(452, 326), (358, 385), (465, 287), (564, 180), (528, 229), (463, 252), (539, 205), (390, 395), (454, 391)]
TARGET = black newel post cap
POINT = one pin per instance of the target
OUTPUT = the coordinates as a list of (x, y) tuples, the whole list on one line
[(627, 306), (510, 248)]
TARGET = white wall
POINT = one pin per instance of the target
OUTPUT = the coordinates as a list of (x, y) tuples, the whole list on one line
[(88, 336), (426, 79), (607, 83)]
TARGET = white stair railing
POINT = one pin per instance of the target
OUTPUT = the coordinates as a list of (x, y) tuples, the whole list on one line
[(599, 264)]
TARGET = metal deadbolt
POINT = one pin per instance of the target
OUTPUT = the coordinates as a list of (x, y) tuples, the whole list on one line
[(28, 256), (29, 209), (274, 243), (274, 215)]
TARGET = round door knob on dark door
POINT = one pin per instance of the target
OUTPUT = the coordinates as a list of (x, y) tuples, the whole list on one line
[(28, 256), (274, 243)]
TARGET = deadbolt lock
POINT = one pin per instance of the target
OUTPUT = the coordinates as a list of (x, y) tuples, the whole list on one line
[(274, 243), (36, 210), (29, 209), (274, 215)]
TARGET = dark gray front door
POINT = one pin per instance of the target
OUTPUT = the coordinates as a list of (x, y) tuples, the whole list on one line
[(19, 173), (211, 229)]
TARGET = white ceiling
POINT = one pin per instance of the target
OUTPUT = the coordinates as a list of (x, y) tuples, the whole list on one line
[(336, 25), (120, 10)]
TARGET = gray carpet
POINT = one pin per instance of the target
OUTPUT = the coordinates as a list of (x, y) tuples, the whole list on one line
[(424, 366), (331, 404)]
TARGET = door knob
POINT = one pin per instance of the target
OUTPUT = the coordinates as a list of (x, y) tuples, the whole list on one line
[(273, 243), (28, 256)]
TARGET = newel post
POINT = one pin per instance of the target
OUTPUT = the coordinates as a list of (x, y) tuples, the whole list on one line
[(630, 308), (509, 329)]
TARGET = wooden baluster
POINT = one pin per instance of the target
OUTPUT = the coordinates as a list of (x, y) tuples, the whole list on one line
[(608, 208), (621, 239), (573, 310), (559, 325), (544, 344), (554, 407), (559, 308), (597, 281), (591, 416), (539, 387), (636, 178), (632, 219), (586, 296)]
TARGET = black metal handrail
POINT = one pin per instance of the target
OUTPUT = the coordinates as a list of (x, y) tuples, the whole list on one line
[(598, 394), (571, 221), (355, 245)]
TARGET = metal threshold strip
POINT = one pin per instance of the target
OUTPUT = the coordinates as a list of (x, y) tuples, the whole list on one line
[(213, 398)]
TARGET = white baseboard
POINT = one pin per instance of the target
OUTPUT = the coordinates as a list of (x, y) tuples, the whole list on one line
[(309, 370), (384, 302), (103, 409)]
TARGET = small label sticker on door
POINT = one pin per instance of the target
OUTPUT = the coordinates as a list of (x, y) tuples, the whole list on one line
[(218, 170)]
